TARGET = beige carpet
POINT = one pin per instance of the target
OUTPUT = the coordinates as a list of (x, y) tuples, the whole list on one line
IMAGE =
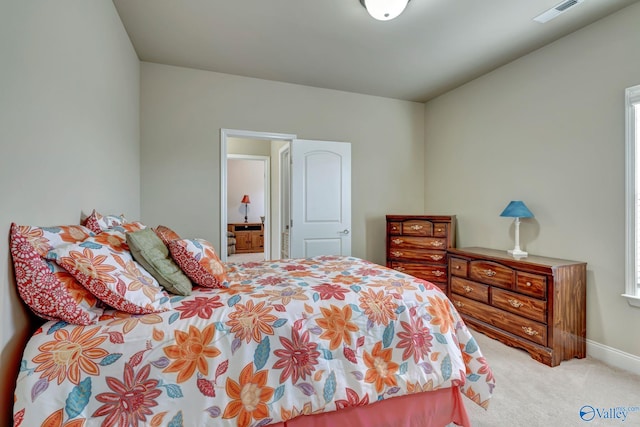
[(250, 257), (529, 393)]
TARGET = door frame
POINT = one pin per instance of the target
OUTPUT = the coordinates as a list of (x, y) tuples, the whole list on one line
[(236, 133), (283, 222)]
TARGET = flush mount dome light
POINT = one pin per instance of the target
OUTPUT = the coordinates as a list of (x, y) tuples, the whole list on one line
[(384, 10)]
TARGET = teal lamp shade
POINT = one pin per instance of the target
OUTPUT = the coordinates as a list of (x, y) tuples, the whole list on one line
[(517, 209)]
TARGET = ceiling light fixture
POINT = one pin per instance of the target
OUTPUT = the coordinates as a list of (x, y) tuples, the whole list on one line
[(384, 10)]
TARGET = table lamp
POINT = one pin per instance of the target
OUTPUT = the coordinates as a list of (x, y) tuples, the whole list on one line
[(517, 209), (246, 201)]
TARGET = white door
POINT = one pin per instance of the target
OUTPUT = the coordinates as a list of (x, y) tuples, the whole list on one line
[(320, 198)]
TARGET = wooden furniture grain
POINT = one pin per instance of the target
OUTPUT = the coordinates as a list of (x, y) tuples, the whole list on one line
[(418, 244), (535, 303), (249, 236)]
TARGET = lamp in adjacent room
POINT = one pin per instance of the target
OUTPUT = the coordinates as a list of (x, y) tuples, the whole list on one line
[(517, 209), (246, 201), (384, 10)]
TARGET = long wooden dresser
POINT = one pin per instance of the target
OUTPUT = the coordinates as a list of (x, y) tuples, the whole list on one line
[(418, 244), (534, 303)]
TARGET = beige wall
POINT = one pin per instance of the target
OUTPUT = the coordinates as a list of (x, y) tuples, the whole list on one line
[(183, 110), (246, 176), (547, 129), (69, 133)]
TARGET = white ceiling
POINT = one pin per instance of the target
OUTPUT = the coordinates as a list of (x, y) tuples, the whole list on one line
[(434, 46)]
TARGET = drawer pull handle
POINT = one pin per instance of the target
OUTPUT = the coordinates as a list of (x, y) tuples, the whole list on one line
[(396, 253), (489, 273), (459, 304), (515, 303), (529, 331), (437, 273), (436, 243), (467, 289), (397, 241), (416, 227), (457, 267), (399, 269), (528, 284), (439, 230), (436, 257)]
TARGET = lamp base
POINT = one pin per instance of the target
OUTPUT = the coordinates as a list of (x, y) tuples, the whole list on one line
[(517, 253)]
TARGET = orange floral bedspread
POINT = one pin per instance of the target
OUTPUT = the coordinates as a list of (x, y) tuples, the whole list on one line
[(286, 338)]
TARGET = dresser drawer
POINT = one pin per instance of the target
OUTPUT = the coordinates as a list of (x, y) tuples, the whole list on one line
[(431, 273), (439, 257), (440, 229), (517, 325), (492, 273), (531, 284), (519, 304), (458, 267), (395, 227), (470, 289), (417, 228), (407, 242)]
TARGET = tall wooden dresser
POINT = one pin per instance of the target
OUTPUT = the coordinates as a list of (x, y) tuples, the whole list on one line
[(418, 244), (535, 303)]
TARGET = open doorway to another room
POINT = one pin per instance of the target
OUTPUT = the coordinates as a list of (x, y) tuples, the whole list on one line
[(247, 204), (249, 145)]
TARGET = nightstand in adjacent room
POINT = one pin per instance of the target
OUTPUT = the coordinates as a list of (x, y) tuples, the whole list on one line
[(249, 236), (535, 303)]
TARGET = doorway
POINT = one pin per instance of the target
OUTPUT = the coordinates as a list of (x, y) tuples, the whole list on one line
[(268, 146), (317, 205)]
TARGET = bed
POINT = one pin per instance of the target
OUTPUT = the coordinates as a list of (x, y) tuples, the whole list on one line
[(300, 342)]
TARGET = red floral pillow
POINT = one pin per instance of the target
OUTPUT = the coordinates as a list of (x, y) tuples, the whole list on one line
[(198, 260), (104, 266), (46, 288), (166, 234)]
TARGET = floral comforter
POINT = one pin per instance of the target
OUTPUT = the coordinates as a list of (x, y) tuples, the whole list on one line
[(286, 338)]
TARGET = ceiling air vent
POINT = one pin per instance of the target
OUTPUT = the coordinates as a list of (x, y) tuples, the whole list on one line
[(556, 10)]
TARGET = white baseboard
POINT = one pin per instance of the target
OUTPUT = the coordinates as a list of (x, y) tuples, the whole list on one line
[(613, 357)]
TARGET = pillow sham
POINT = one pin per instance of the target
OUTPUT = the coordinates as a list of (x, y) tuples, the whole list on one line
[(49, 291), (166, 234), (198, 259), (97, 222), (43, 239), (149, 250), (111, 274)]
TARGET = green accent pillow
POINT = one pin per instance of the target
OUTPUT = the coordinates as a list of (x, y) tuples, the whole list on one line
[(148, 250)]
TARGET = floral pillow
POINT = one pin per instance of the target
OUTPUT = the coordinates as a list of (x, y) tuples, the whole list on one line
[(43, 239), (166, 234), (109, 272), (130, 227), (198, 260), (97, 222), (47, 289)]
